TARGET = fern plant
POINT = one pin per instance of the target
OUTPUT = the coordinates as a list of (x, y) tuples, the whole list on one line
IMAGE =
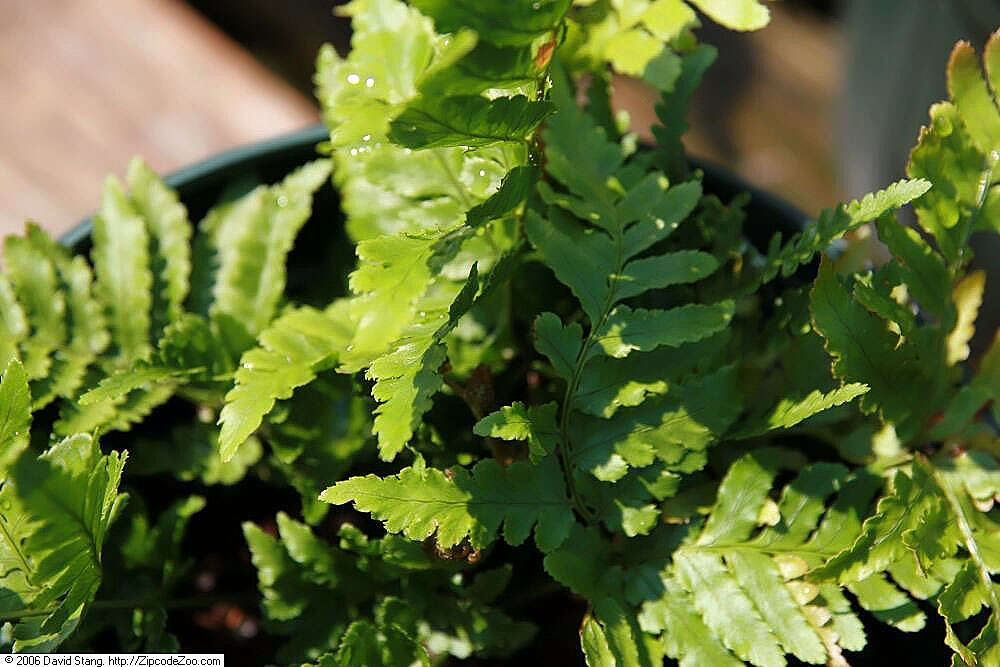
[(561, 380)]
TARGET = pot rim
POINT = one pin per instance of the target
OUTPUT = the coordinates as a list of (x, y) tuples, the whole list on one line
[(222, 162), (234, 158)]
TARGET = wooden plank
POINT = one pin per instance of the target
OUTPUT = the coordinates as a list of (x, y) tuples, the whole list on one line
[(766, 109), (86, 84)]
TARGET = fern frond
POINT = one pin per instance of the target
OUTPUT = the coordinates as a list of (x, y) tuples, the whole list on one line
[(169, 236), (189, 350), (467, 120), (85, 324), (313, 593), (124, 279), (292, 351), (675, 429), (832, 224), (365, 643), (464, 504), (737, 581), (510, 24), (118, 414), (922, 270), (788, 412), (956, 152), (13, 324), (865, 350), (535, 424), (585, 565), (251, 239), (61, 506), (36, 287), (15, 414), (686, 638), (294, 581), (917, 533), (596, 237), (407, 378)]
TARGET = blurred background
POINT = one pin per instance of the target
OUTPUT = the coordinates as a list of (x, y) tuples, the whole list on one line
[(822, 104)]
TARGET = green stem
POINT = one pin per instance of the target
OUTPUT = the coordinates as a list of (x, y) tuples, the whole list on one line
[(574, 384)]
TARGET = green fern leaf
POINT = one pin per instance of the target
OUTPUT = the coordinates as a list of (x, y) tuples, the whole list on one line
[(292, 350), (16, 414), (85, 325), (406, 379), (967, 297), (739, 15), (189, 350), (594, 642), (864, 350), (251, 238), (364, 643), (673, 109), (888, 604), (294, 577), (518, 23), (514, 189), (463, 504), (686, 637), (759, 619), (788, 412), (471, 121), (964, 596), (895, 528), (833, 224), (946, 156), (68, 498), (612, 383), (922, 270), (536, 425), (13, 323), (36, 288), (406, 208), (560, 344), (741, 580), (675, 429), (169, 235), (626, 330), (312, 592), (114, 414), (393, 274), (956, 152), (968, 90), (124, 280)]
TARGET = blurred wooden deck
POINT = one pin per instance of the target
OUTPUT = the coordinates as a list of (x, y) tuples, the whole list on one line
[(86, 84), (766, 107)]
